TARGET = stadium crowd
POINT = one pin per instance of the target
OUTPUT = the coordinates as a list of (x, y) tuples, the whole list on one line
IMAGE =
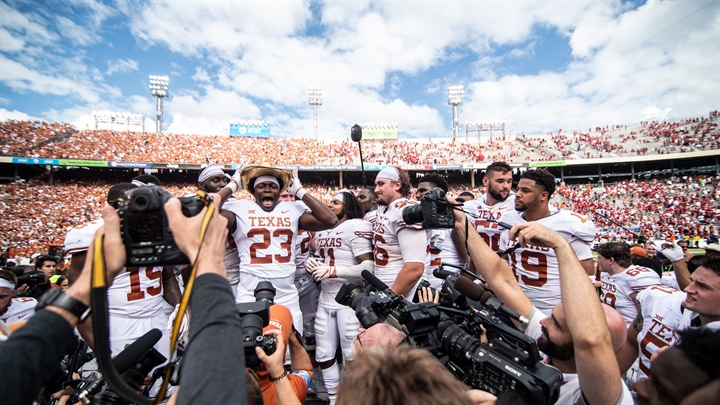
[(42, 140)]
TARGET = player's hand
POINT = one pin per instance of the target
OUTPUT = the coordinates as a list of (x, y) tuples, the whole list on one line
[(184, 325), (323, 272), (236, 178), (312, 263), (672, 251), (532, 233), (274, 362), (295, 185)]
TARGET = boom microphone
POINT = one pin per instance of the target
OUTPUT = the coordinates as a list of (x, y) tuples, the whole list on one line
[(123, 361), (374, 281)]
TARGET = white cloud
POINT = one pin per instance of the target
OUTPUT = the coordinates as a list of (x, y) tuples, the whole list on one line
[(210, 113), (82, 36), (6, 115), (121, 65)]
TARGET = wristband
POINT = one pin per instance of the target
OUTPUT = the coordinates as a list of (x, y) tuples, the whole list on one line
[(300, 193), (232, 185), (280, 377)]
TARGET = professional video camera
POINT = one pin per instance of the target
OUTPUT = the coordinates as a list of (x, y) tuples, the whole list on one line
[(134, 363), (254, 316), (510, 360), (37, 285), (433, 211), (144, 226)]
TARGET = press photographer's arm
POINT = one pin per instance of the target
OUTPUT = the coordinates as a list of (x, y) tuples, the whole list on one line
[(35, 350)]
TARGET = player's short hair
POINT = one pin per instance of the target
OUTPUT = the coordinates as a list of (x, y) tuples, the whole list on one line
[(147, 179), (542, 178), (436, 179), (500, 167), (695, 262), (252, 387), (42, 259), (467, 194), (712, 263), (370, 190), (117, 192), (9, 276), (405, 375), (353, 208), (620, 251), (701, 348)]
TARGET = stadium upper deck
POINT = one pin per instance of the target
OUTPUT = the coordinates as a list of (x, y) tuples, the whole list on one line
[(61, 141)]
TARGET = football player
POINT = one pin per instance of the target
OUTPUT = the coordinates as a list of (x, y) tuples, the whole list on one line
[(622, 280), (536, 267), (497, 201), (266, 230), (400, 249), (13, 309), (344, 252)]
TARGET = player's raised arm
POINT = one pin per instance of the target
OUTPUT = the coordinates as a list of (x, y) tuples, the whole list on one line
[(320, 217)]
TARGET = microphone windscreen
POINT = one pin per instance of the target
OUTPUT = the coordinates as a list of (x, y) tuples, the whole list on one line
[(443, 274), (131, 354), (469, 289)]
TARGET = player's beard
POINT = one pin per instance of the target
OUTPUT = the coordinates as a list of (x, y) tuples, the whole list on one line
[(563, 352), (496, 194)]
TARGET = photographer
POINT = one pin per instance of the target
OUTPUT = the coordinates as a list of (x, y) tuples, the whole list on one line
[(35, 350), (47, 265), (576, 337)]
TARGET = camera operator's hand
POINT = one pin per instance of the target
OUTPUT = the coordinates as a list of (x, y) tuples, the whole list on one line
[(22, 289), (532, 233), (274, 362), (296, 187), (323, 272), (480, 397), (426, 295), (186, 232), (312, 263)]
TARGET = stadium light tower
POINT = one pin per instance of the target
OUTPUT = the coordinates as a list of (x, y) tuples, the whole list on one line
[(159, 89), (315, 101), (455, 95)]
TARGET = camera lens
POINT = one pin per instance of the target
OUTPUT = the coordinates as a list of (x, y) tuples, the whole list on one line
[(413, 214)]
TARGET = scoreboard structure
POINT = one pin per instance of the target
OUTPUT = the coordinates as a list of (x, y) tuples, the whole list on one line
[(250, 129)]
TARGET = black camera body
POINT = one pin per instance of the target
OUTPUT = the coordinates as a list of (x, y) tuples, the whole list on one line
[(254, 316), (433, 212), (144, 227)]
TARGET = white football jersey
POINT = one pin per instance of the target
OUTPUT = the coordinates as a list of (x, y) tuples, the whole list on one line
[(489, 231), (371, 216), (339, 247), (266, 240), (388, 258), (302, 251), (442, 250), (20, 309), (136, 292), (535, 267), (663, 314), (669, 279), (617, 289)]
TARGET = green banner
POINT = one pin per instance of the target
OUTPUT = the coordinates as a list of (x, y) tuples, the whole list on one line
[(380, 133), (548, 164), (93, 163)]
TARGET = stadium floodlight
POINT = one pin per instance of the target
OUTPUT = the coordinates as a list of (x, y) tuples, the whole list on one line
[(315, 101), (455, 95), (159, 86)]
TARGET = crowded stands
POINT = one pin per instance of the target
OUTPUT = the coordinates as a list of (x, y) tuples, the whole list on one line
[(61, 141)]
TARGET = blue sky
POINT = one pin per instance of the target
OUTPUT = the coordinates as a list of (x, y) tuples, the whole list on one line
[(538, 66)]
